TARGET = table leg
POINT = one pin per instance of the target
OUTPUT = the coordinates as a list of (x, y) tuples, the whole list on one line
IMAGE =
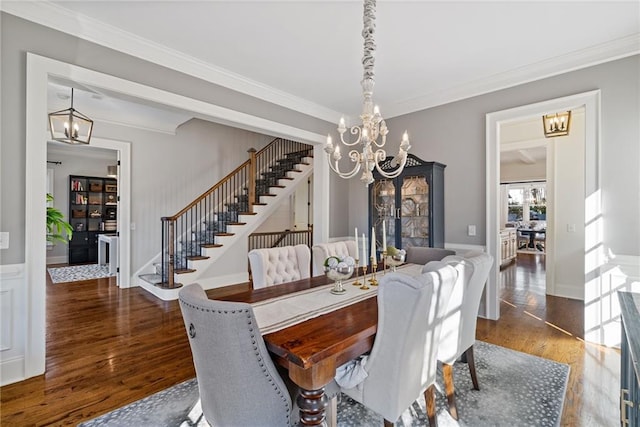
[(312, 404)]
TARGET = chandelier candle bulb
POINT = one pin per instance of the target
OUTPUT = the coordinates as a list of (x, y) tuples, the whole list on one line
[(356, 233)]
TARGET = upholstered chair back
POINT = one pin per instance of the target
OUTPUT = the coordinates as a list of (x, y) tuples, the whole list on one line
[(322, 251), (459, 326), (402, 363), (238, 382), (423, 255), (272, 266)]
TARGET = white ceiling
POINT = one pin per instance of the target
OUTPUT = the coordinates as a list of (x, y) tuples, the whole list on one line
[(428, 52), (307, 54)]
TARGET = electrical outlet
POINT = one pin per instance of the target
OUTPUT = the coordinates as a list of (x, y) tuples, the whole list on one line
[(4, 240), (471, 230), (571, 228)]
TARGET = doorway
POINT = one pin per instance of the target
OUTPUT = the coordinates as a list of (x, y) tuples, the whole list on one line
[(590, 101)]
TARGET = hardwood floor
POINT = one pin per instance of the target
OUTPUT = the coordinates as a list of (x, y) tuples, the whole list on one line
[(107, 347)]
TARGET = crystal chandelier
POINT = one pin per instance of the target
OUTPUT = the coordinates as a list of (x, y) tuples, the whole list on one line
[(373, 125)]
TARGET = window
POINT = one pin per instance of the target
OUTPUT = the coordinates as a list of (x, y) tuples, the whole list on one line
[(527, 202)]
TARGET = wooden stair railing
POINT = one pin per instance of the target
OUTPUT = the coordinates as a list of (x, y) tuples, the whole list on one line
[(197, 225)]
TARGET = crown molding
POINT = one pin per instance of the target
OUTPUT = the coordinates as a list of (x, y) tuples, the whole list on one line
[(61, 19), (605, 52), (78, 25)]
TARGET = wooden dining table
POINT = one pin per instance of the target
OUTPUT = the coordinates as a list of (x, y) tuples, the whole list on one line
[(313, 349)]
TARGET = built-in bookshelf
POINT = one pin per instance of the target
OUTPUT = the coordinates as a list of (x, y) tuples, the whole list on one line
[(93, 209)]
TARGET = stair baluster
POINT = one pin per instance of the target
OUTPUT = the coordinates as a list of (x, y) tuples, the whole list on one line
[(197, 225)]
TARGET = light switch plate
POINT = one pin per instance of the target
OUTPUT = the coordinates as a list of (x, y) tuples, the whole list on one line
[(4, 240), (472, 230)]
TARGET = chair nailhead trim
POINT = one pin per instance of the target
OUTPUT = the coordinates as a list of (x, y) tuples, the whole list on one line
[(255, 348)]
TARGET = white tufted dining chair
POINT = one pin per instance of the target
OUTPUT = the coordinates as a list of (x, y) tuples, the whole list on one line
[(459, 324), (322, 251), (272, 266), (402, 364)]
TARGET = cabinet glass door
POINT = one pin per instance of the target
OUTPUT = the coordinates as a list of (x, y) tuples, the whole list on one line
[(414, 211)]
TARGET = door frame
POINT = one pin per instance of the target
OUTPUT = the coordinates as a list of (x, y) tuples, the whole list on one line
[(591, 102), (38, 71)]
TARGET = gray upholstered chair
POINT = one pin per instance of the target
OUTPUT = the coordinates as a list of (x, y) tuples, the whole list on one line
[(422, 255), (238, 382), (272, 266), (322, 251), (459, 324), (402, 364)]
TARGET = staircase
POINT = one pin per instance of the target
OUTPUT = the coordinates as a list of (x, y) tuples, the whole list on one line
[(199, 235)]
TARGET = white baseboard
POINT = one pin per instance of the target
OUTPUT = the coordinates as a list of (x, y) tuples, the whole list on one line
[(12, 371), (568, 291), (57, 260)]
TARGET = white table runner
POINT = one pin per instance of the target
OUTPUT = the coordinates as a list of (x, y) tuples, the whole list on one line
[(278, 313)]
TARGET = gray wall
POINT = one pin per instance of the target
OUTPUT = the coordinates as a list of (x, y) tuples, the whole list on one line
[(19, 37), (454, 134)]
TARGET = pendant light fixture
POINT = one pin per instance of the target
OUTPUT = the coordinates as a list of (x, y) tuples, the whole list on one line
[(70, 126)]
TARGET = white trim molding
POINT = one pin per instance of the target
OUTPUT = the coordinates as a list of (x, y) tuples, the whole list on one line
[(591, 102), (78, 25), (39, 70), (12, 329)]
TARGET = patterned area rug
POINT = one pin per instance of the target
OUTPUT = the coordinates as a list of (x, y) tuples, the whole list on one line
[(76, 273), (515, 389)]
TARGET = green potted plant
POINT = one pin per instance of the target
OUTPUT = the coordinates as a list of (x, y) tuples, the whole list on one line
[(57, 227)]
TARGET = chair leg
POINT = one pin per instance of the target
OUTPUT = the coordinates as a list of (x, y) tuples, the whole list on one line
[(331, 412), (430, 398), (472, 367), (449, 389)]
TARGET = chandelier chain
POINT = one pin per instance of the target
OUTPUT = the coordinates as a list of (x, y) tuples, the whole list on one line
[(371, 134)]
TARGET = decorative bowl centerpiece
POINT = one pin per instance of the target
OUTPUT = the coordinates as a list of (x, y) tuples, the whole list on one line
[(339, 269), (395, 257)]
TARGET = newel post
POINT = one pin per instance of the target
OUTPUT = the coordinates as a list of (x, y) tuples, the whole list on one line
[(252, 178), (170, 277)]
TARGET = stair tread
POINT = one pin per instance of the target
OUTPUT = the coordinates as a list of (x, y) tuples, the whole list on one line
[(183, 270), (212, 245), (236, 223), (225, 234), (197, 257), (165, 285), (248, 213)]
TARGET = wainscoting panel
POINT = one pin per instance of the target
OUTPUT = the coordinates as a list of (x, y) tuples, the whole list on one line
[(12, 327)]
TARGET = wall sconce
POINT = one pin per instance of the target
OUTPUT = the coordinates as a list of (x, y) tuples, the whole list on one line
[(112, 171), (70, 126), (556, 124)]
